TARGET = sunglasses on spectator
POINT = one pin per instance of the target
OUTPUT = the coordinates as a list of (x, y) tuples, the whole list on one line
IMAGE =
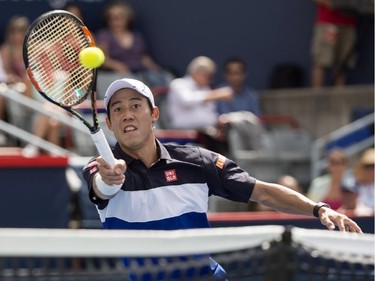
[(368, 166)]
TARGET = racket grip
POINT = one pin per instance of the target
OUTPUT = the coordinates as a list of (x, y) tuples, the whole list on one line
[(107, 190), (103, 147)]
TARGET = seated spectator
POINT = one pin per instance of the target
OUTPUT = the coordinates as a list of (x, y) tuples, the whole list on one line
[(125, 48), (46, 128), (75, 9), (338, 182), (13, 69), (244, 98), (349, 200), (291, 182), (364, 173), (12, 49), (12, 55), (238, 116), (191, 101), (192, 105)]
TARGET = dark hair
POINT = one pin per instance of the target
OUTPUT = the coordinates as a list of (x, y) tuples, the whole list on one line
[(69, 6), (124, 5), (235, 59)]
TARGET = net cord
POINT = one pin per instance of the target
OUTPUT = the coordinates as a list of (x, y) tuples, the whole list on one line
[(100, 243), (336, 242), (117, 243)]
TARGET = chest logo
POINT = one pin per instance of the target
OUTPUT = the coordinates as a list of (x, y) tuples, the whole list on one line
[(170, 175)]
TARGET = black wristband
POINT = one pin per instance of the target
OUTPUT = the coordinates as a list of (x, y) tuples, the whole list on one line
[(317, 208)]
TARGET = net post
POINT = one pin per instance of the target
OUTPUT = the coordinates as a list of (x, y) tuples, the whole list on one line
[(280, 262), (288, 263)]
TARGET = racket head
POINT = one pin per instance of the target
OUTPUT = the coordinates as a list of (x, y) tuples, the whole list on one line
[(51, 55)]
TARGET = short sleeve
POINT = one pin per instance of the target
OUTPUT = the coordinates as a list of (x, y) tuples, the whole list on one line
[(226, 179)]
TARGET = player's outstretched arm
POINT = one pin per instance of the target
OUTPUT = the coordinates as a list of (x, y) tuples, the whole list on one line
[(286, 200)]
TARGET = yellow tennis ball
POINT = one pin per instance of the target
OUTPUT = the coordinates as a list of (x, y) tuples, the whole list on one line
[(91, 57)]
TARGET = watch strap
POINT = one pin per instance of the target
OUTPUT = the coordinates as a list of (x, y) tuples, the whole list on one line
[(317, 208)]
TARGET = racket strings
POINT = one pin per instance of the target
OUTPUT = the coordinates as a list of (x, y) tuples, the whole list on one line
[(53, 49)]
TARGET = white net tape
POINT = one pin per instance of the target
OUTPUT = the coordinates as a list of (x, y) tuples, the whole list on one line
[(69, 242), (59, 242)]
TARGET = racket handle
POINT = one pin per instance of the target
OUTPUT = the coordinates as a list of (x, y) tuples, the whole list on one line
[(107, 190), (103, 147), (105, 151)]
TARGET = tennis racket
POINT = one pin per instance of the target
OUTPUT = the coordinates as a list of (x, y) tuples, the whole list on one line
[(51, 56)]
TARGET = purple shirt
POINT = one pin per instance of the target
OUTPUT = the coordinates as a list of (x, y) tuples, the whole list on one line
[(132, 56)]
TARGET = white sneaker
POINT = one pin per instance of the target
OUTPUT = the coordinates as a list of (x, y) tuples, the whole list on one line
[(30, 150)]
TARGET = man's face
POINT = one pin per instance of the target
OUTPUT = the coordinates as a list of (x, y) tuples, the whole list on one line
[(131, 119), (235, 74), (203, 77)]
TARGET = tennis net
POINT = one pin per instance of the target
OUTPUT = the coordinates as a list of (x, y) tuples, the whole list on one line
[(246, 253)]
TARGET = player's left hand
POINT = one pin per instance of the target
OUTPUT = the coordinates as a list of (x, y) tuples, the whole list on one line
[(331, 219)]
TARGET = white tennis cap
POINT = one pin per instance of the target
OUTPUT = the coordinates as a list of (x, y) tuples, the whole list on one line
[(125, 83)]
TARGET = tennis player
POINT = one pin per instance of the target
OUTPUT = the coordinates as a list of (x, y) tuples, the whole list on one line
[(167, 186)]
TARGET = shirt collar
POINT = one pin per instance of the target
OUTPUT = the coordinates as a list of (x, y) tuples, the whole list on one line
[(162, 152)]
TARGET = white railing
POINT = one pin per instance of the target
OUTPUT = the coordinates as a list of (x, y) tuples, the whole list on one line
[(318, 162), (13, 94)]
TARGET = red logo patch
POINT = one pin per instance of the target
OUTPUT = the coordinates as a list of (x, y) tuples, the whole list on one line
[(93, 167), (170, 175)]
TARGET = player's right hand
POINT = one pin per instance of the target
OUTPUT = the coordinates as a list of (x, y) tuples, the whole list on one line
[(112, 176)]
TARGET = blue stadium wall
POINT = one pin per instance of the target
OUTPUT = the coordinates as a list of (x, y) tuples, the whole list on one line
[(266, 33)]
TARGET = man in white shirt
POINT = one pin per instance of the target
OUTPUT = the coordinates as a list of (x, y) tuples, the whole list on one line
[(191, 101)]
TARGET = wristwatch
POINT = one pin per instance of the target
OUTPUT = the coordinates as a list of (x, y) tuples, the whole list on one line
[(318, 206)]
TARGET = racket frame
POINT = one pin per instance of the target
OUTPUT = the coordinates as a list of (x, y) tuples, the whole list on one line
[(97, 133)]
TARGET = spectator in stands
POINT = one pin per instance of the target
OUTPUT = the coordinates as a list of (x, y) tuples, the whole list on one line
[(14, 73), (339, 183), (45, 127), (192, 105), (12, 55), (364, 172), (244, 98), (291, 182), (75, 9), (191, 101), (332, 44), (125, 48), (11, 49), (238, 117)]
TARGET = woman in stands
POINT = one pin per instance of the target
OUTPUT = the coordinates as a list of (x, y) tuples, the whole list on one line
[(337, 187), (125, 48)]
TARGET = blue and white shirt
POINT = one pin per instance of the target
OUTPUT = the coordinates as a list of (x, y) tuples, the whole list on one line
[(173, 193)]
